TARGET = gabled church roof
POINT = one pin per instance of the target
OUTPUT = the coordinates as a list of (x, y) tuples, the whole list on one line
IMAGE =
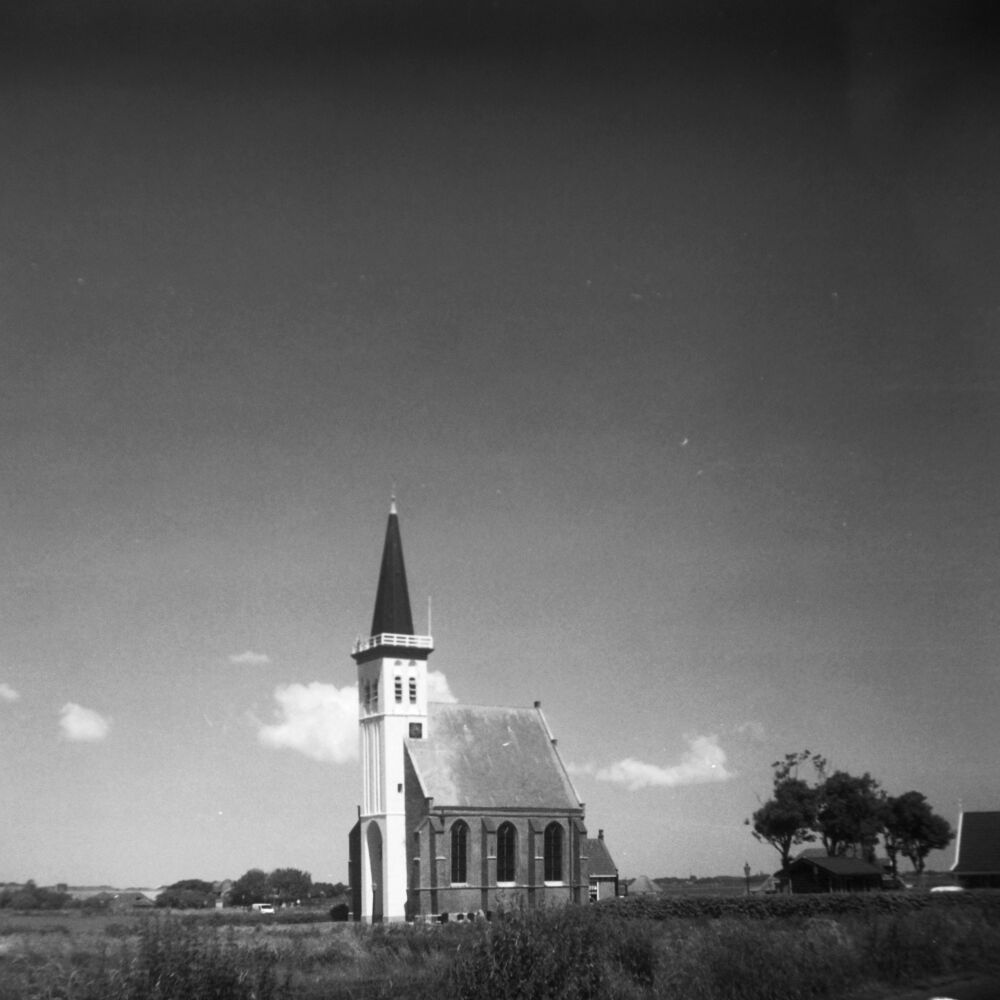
[(392, 602), (476, 757)]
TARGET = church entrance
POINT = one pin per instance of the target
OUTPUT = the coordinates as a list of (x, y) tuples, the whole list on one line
[(374, 838)]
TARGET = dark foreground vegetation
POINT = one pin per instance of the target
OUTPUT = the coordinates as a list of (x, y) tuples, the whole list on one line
[(822, 946)]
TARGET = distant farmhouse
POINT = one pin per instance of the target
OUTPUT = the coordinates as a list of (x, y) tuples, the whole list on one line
[(977, 854), (643, 885), (121, 902), (464, 807)]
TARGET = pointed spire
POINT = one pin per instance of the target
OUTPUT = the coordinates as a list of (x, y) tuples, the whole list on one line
[(392, 624), (392, 601)]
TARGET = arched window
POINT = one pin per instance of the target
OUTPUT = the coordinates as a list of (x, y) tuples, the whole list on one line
[(460, 852), (399, 690), (413, 690), (553, 853), (506, 853)]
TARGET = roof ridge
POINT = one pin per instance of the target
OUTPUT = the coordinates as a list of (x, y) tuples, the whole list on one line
[(499, 708)]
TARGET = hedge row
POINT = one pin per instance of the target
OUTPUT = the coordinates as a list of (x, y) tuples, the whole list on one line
[(795, 906)]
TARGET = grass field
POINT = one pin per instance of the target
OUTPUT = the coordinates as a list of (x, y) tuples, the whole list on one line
[(619, 952)]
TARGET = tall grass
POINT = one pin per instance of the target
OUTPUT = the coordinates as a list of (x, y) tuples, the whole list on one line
[(164, 960), (527, 954), (593, 953), (577, 953)]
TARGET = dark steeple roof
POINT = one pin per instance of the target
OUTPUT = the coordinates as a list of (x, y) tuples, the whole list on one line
[(392, 603)]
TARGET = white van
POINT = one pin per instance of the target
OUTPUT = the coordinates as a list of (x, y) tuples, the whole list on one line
[(262, 908)]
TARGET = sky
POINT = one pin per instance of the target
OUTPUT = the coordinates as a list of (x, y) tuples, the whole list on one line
[(674, 331)]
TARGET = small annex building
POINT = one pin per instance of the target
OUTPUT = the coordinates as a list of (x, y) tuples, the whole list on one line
[(464, 808), (602, 873), (977, 851)]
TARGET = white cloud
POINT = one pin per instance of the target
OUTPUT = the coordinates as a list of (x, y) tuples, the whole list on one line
[(82, 724), (437, 688), (703, 762), (7, 693), (250, 659), (318, 720), (321, 720)]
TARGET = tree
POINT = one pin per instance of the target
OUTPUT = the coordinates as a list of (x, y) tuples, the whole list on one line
[(289, 885), (789, 766), (327, 890), (787, 818), (849, 814), (194, 884), (251, 887), (185, 899), (187, 894), (31, 897), (913, 829)]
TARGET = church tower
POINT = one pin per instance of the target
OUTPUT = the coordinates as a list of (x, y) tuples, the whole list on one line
[(392, 706)]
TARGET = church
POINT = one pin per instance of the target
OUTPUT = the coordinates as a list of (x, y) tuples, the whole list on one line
[(464, 808)]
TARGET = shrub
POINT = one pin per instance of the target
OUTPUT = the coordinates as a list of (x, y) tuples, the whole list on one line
[(794, 906)]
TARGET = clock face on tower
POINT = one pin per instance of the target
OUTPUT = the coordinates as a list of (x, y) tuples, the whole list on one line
[(416, 730)]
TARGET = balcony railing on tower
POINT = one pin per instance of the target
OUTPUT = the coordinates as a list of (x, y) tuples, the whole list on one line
[(394, 639)]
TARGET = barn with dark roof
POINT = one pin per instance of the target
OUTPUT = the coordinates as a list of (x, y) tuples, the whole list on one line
[(465, 808), (977, 854), (811, 873)]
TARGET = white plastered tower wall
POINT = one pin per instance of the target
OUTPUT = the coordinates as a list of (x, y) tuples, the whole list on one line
[(392, 707), (392, 694)]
